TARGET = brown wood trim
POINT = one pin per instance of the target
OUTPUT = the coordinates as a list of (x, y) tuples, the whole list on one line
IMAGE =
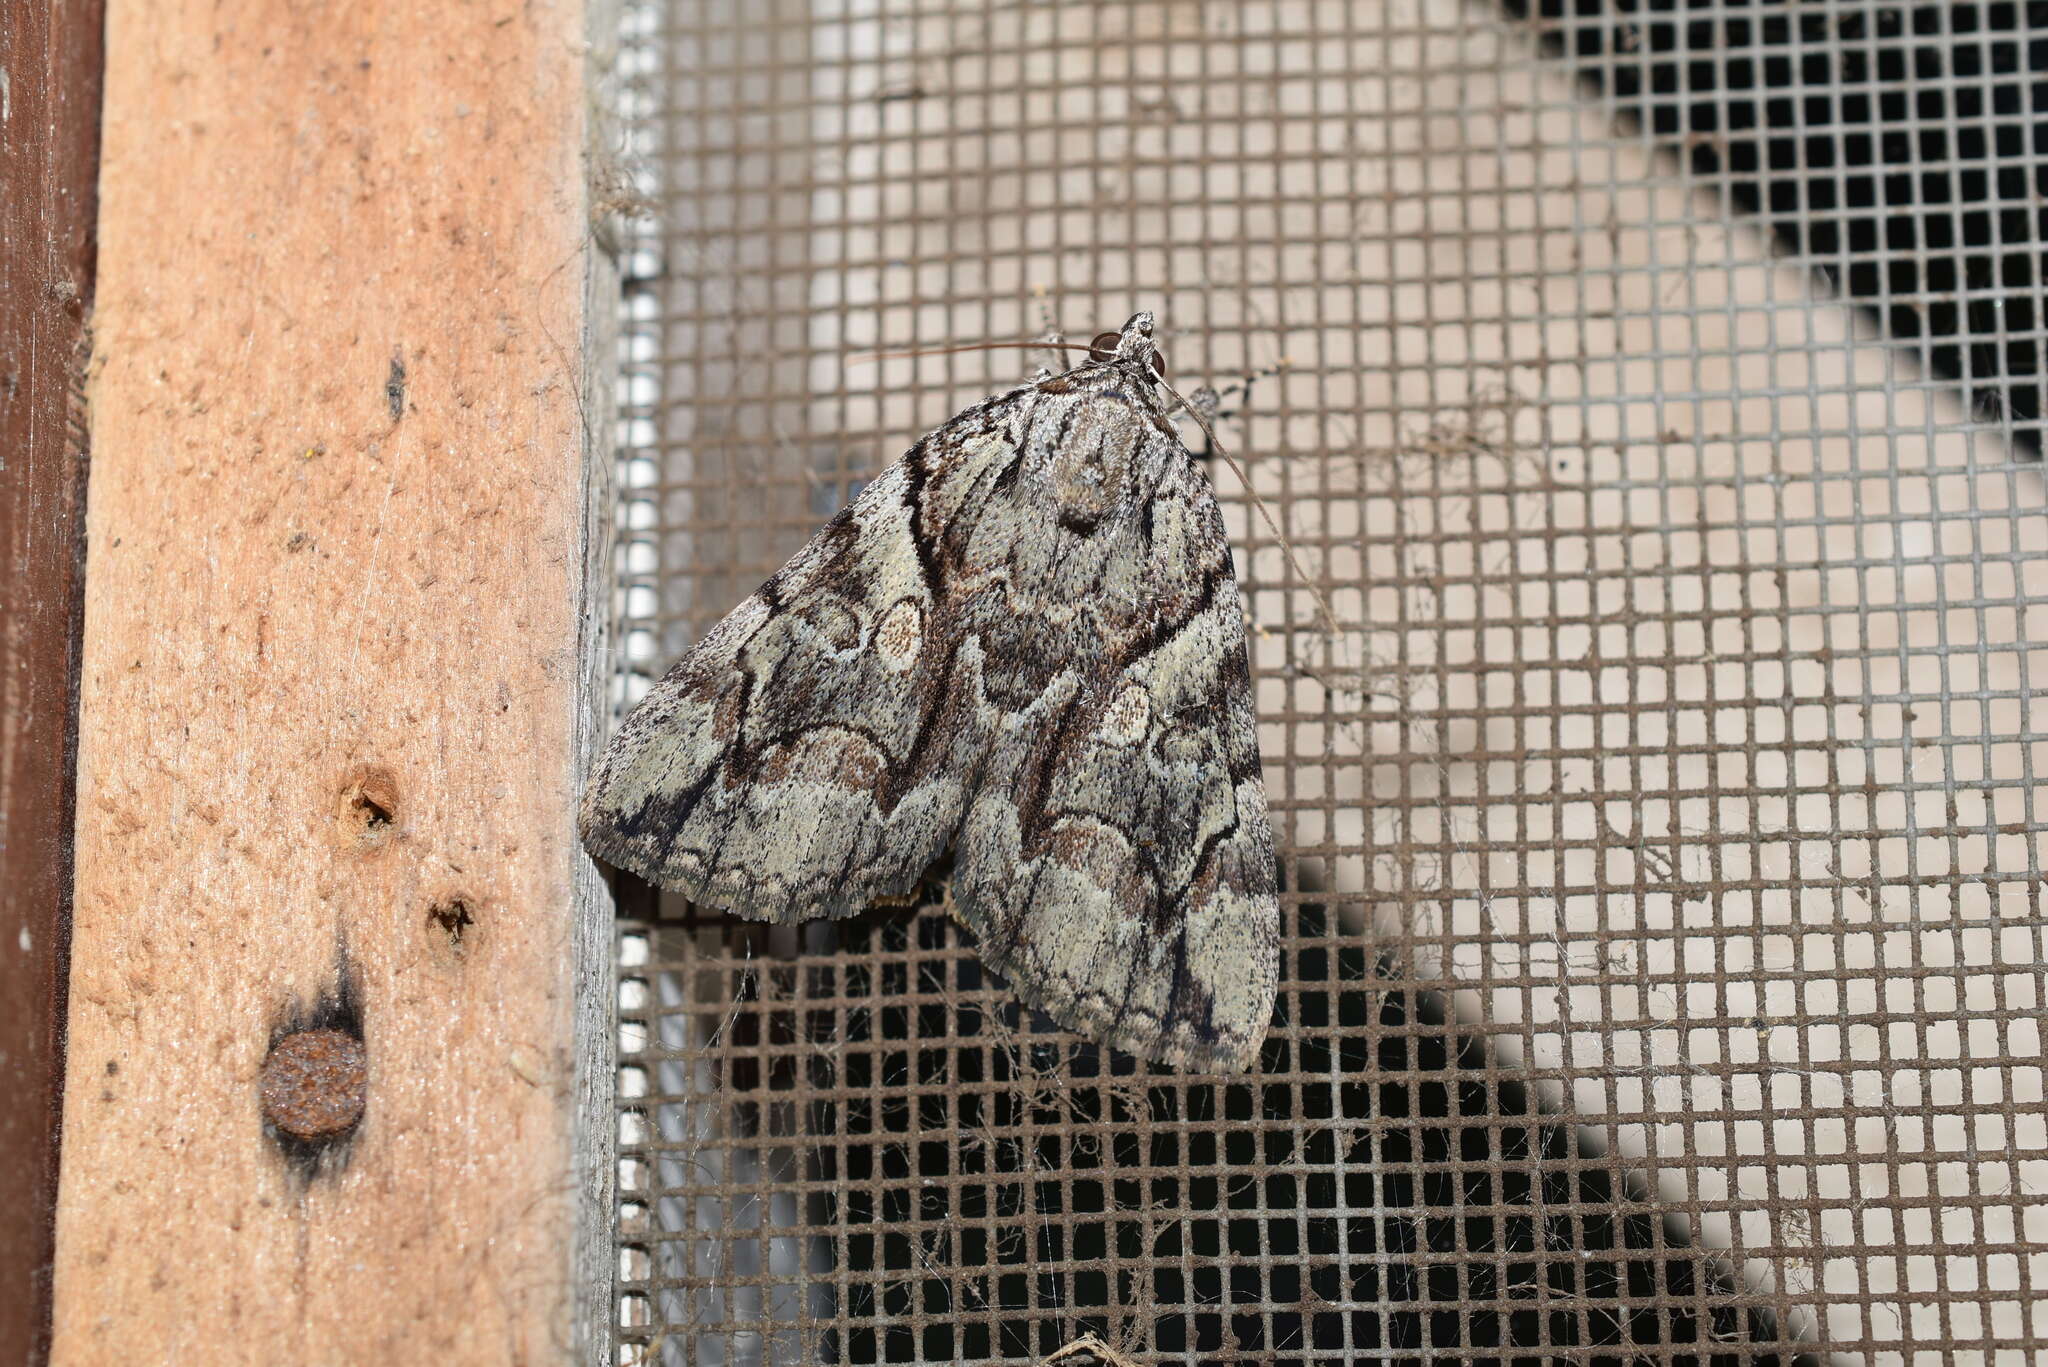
[(334, 1072), (49, 171)]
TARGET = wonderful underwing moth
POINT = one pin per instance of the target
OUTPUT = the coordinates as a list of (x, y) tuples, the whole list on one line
[(1023, 643)]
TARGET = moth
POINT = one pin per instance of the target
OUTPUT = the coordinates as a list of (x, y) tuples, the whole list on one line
[(1022, 643)]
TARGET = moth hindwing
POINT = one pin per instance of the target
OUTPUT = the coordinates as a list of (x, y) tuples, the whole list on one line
[(1022, 642)]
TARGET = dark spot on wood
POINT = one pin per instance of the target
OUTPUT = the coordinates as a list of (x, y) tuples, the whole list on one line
[(394, 386), (112, 1067), (453, 917), (314, 1085)]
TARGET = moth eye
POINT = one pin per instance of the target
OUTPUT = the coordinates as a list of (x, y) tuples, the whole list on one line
[(1103, 348), (1158, 365)]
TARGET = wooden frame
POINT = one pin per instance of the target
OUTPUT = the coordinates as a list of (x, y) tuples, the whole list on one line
[(49, 173), (341, 673)]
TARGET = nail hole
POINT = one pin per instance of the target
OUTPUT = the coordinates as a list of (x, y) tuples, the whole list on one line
[(453, 917), (369, 805)]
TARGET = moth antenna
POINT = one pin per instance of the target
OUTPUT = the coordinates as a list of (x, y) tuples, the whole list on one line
[(1050, 330), (1060, 347), (1244, 481)]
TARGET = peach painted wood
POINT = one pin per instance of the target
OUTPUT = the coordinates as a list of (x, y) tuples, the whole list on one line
[(337, 686)]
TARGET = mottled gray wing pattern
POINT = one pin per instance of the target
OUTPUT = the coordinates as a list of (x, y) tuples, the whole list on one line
[(1022, 641), (1121, 873), (807, 757)]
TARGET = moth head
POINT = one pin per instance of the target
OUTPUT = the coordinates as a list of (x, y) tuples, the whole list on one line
[(1134, 343)]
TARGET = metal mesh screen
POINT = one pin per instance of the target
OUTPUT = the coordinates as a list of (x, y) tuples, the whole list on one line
[(1663, 839)]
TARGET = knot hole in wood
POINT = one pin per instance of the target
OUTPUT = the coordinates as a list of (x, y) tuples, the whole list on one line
[(367, 812)]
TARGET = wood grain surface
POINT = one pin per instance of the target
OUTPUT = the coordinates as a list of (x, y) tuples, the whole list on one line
[(336, 690), (49, 174)]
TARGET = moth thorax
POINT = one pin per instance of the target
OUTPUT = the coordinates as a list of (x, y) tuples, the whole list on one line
[(1092, 469)]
